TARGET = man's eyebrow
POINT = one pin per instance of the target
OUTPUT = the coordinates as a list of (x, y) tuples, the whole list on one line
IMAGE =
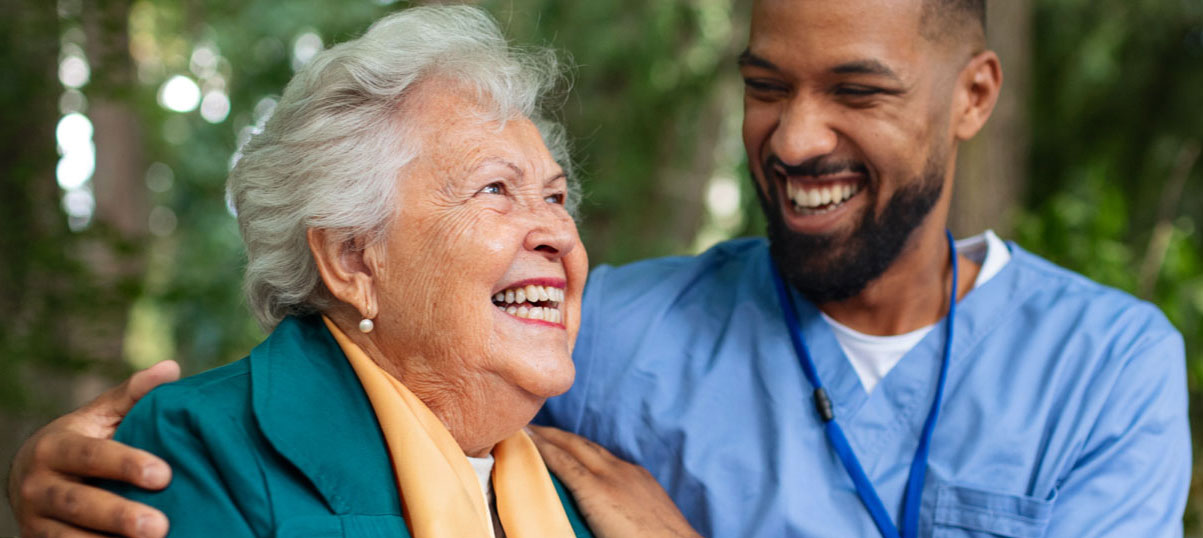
[(866, 67), (746, 58), (858, 67)]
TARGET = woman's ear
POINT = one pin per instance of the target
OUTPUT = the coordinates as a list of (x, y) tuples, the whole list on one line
[(346, 269), (977, 93)]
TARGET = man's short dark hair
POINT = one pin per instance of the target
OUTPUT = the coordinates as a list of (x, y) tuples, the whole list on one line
[(964, 19)]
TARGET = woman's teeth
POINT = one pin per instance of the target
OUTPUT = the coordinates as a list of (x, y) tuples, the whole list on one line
[(815, 199), (531, 293), (535, 312), (531, 302)]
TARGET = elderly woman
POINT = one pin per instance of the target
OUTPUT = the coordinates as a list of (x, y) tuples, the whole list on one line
[(411, 248)]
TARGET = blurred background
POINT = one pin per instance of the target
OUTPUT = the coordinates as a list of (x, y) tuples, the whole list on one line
[(118, 120)]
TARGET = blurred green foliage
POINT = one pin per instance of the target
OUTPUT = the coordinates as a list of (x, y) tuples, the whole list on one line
[(1114, 192), (654, 111)]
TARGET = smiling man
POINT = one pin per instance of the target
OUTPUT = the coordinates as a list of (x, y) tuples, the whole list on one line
[(827, 383), (858, 374)]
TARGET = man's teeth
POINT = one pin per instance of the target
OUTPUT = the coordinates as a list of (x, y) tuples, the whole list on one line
[(815, 197), (520, 302)]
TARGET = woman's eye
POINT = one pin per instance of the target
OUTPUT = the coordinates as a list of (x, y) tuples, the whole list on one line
[(557, 198), (493, 188)]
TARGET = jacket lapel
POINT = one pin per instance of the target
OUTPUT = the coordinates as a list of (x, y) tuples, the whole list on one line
[(312, 409)]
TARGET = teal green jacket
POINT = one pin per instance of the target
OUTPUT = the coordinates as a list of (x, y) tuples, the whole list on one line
[(281, 443)]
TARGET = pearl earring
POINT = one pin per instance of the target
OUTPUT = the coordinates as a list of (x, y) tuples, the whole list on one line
[(366, 325)]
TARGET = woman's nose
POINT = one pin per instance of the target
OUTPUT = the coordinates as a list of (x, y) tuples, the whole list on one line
[(553, 233)]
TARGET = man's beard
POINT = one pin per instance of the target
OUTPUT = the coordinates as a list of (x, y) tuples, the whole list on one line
[(824, 268)]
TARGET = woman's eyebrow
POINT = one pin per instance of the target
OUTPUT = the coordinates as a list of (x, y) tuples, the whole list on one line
[(499, 161), (553, 178), (516, 169)]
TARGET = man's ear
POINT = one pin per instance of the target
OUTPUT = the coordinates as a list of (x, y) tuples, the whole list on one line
[(346, 269), (976, 94)]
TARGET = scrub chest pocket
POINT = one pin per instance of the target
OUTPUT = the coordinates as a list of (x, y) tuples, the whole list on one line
[(964, 512)]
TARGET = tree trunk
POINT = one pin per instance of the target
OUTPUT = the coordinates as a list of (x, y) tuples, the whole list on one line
[(115, 254), (32, 229), (992, 168)]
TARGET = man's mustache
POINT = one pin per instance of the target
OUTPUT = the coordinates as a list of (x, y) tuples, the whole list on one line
[(818, 166)]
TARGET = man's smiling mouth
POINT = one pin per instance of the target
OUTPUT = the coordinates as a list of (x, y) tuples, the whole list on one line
[(818, 197), (817, 186), (531, 301)]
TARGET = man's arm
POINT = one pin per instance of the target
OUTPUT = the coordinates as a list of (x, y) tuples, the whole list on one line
[(46, 486), (1133, 473)]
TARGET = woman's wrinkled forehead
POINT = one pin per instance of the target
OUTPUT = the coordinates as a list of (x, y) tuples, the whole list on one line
[(457, 130)]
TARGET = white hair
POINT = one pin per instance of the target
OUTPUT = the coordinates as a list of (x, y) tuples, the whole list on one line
[(330, 154)]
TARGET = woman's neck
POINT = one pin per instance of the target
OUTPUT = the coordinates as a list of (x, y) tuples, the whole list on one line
[(477, 408)]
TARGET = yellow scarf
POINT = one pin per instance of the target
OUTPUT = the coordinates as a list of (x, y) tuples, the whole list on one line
[(439, 490)]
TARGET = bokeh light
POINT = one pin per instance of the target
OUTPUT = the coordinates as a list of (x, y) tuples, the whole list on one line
[(73, 71), (159, 177), (722, 197), (215, 107), (180, 94), (75, 169), (304, 48), (73, 132), (162, 221), (263, 110), (72, 100), (79, 205), (74, 136), (203, 62)]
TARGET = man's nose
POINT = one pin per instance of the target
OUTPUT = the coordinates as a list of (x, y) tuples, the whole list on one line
[(803, 132)]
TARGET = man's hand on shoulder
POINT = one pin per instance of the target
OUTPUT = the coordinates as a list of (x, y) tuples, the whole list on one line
[(616, 498), (46, 485)]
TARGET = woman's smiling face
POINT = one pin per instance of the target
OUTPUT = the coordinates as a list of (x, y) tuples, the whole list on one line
[(481, 216)]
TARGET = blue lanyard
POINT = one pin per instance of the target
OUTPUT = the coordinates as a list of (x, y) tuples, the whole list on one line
[(825, 409)]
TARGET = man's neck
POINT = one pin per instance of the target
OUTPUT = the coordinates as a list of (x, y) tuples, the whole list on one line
[(911, 294)]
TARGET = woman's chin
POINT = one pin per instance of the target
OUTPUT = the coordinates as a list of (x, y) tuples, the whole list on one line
[(545, 380), (554, 383)]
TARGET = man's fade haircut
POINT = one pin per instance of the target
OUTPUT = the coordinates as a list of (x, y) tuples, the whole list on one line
[(964, 20)]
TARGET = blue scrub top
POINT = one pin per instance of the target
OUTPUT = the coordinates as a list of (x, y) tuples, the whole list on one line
[(1065, 412)]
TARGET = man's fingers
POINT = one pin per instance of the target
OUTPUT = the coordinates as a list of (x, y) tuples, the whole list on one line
[(112, 405), (49, 528), (53, 496), (100, 510), (78, 455), (591, 454), (142, 382), (562, 463), (117, 401)]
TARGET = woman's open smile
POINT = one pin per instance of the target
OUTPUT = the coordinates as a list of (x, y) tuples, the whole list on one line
[(534, 300)]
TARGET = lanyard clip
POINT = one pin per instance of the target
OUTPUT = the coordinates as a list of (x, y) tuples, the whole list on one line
[(823, 405)]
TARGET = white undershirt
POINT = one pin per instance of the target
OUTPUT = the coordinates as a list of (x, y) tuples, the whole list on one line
[(484, 473), (874, 356)]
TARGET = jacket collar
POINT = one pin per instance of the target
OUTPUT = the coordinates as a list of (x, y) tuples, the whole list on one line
[(313, 410)]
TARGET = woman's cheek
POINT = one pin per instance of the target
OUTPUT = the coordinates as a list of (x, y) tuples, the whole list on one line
[(576, 266)]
